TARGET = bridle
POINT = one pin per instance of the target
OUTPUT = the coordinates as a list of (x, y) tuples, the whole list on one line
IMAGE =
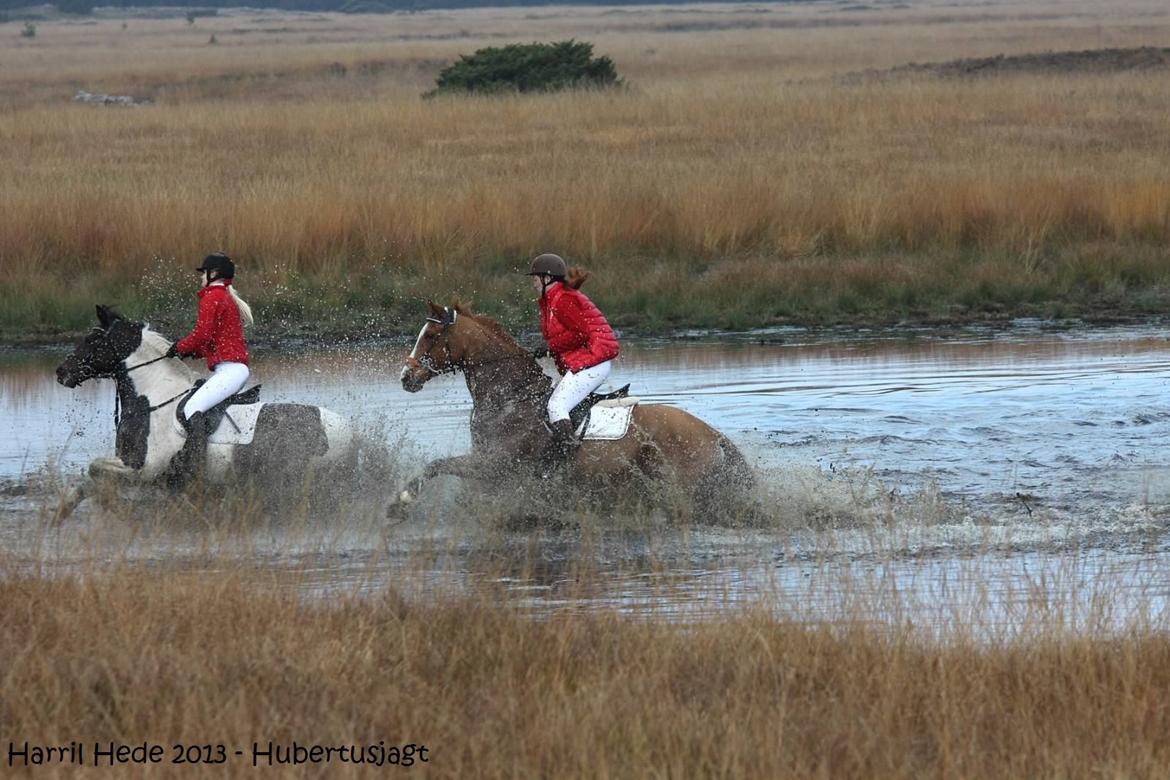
[(449, 317), (123, 372), (444, 323)]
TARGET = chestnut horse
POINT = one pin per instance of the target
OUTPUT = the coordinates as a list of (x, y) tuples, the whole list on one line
[(509, 393)]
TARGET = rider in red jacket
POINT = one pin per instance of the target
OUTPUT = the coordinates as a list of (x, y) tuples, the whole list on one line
[(582, 345), (219, 337), (219, 329)]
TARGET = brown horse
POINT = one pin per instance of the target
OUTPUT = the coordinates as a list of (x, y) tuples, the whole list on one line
[(509, 393)]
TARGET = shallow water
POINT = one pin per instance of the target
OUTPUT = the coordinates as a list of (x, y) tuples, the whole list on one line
[(1041, 445), (1070, 419)]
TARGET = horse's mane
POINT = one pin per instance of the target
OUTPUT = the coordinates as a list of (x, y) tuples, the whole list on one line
[(154, 340), (464, 310), (157, 342)]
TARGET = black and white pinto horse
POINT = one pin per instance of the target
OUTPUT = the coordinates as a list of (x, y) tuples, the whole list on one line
[(278, 444)]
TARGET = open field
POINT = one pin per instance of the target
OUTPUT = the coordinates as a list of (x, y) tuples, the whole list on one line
[(749, 175), (962, 568)]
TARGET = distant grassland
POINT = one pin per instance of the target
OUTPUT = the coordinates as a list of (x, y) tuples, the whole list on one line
[(740, 181), (241, 657)]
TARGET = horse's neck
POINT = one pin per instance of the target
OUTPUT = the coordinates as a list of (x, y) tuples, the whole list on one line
[(505, 379), (159, 382)]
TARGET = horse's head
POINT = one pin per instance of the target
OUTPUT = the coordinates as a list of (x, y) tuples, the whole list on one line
[(439, 349), (101, 353)]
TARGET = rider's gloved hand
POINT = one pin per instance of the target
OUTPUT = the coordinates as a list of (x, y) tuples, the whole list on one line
[(540, 352), (173, 351)]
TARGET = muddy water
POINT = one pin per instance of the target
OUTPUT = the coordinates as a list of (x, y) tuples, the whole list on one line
[(1039, 443), (1068, 419)]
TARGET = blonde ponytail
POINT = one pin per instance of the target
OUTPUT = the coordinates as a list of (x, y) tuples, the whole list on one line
[(242, 305)]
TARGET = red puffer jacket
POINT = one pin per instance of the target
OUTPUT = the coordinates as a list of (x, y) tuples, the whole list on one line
[(219, 332), (576, 331)]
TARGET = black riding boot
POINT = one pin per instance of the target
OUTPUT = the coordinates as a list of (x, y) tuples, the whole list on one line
[(559, 450), (188, 462)]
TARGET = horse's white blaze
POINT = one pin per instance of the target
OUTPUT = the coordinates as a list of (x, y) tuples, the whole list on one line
[(418, 342), (413, 352)]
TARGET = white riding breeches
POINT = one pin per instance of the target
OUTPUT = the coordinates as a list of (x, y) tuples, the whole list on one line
[(573, 388), (225, 379)]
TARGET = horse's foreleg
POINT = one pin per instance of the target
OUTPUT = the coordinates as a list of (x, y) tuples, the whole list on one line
[(463, 466), (110, 468), (100, 470), (71, 501)]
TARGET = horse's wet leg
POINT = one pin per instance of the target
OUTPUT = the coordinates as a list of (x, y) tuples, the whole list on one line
[(71, 501), (396, 509)]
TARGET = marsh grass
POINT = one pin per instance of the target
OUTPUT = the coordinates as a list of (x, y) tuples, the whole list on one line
[(588, 650), (241, 656), (740, 183)]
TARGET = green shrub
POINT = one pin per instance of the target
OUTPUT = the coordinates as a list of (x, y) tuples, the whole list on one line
[(29, 31), (534, 67), (195, 13)]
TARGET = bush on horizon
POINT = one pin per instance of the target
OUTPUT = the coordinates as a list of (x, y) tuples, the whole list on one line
[(532, 67)]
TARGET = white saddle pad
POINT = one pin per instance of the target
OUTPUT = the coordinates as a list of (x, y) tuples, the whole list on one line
[(239, 429), (609, 420)]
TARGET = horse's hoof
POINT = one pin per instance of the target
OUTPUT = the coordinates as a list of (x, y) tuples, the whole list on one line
[(396, 510)]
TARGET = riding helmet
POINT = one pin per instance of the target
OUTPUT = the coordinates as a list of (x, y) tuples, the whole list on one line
[(220, 263), (548, 263)]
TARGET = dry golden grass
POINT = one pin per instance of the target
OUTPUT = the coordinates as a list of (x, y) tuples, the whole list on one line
[(300, 144), (237, 658)]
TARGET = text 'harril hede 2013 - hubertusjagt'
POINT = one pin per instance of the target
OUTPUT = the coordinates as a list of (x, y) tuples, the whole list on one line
[(269, 753)]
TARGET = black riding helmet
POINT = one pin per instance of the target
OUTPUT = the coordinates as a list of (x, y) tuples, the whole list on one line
[(220, 263), (548, 264)]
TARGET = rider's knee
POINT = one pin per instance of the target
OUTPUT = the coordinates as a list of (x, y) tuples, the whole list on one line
[(557, 411)]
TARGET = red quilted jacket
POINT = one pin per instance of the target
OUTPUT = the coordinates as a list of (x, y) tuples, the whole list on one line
[(575, 330), (219, 332)]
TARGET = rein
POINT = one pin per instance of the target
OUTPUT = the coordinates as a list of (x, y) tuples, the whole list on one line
[(128, 369)]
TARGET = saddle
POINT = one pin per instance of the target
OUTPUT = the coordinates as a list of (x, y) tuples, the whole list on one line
[(215, 414), (579, 414)]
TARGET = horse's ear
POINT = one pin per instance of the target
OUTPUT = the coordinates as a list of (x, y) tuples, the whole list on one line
[(436, 311), (108, 315)]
